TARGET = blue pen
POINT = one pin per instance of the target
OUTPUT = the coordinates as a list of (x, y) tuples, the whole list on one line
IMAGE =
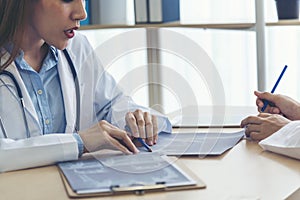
[(274, 88), (144, 144)]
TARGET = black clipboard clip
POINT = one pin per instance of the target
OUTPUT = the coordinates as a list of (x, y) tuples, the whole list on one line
[(138, 188)]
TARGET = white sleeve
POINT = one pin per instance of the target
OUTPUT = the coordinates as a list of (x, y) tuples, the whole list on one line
[(36, 151), (286, 141)]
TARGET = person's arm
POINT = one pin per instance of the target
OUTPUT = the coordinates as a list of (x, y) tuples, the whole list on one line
[(37, 151), (104, 100), (285, 141), (122, 111), (112, 105)]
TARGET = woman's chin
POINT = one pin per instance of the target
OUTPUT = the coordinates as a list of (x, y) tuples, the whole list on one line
[(62, 45)]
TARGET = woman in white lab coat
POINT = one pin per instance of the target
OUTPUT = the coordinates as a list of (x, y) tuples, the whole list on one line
[(64, 114), (278, 127)]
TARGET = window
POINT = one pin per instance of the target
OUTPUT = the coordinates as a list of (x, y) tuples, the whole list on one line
[(232, 52), (283, 48)]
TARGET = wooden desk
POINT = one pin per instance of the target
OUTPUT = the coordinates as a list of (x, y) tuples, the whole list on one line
[(244, 172)]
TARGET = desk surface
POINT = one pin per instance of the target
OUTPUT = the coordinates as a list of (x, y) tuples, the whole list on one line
[(244, 172)]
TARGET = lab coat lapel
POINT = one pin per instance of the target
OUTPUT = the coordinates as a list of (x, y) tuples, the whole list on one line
[(29, 107), (68, 90)]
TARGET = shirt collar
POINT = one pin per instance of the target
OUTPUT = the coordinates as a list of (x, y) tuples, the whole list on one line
[(54, 52), (49, 62)]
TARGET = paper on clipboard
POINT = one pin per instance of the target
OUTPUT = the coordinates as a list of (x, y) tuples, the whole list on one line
[(125, 174)]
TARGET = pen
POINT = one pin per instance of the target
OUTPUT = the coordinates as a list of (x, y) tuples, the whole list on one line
[(273, 89), (144, 144)]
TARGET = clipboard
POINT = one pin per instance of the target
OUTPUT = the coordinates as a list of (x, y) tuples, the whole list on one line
[(139, 189)]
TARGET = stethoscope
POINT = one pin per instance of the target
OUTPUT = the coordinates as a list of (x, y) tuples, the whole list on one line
[(21, 99)]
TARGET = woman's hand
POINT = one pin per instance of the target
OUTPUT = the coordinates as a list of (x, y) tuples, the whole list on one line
[(143, 125), (103, 135), (278, 104), (262, 126)]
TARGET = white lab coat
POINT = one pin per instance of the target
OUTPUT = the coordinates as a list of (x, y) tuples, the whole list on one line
[(285, 141), (99, 96)]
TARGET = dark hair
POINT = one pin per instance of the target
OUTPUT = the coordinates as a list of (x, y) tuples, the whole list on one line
[(13, 18)]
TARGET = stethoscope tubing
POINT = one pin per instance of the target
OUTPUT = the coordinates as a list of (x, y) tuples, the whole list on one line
[(21, 99), (76, 81)]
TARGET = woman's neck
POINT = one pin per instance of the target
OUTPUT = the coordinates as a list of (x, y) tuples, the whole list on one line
[(35, 50)]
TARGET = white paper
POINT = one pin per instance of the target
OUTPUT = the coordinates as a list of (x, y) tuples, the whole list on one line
[(196, 143)]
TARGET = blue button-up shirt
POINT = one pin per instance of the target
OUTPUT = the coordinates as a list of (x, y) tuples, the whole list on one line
[(44, 88)]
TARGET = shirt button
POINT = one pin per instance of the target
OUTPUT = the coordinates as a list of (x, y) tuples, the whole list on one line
[(47, 121), (40, 92)]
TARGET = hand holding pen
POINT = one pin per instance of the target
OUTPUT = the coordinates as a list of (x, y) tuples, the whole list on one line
[(137, 142), (143, 127), (279, 104), (265, 101)]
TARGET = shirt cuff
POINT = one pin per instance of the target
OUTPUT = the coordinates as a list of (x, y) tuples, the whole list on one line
[(79, 143), (164, 124)]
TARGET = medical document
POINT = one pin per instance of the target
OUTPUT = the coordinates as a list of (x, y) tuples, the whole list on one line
[(106, 174), (202, 144)]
